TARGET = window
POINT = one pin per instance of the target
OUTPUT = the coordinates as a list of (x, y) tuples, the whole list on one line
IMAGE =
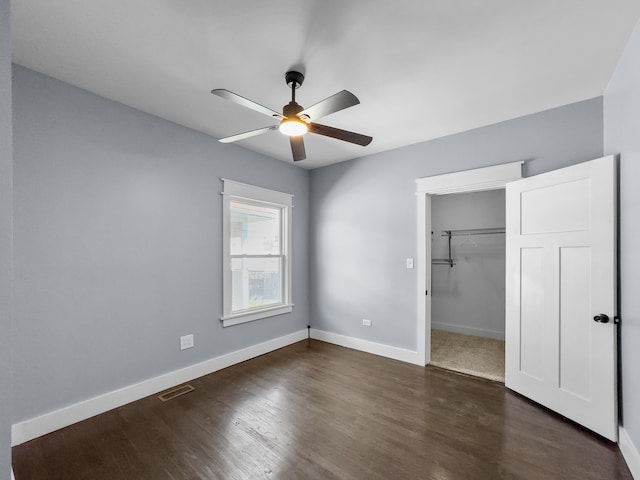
[(256, 253)]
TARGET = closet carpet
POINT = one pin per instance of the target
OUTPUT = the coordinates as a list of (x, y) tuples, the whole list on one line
[(478, 356)]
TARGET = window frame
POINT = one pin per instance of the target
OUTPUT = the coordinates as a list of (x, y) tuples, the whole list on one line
[(236, 191)]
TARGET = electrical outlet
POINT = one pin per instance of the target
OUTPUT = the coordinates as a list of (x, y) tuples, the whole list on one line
[(366, 323), (186, 342)]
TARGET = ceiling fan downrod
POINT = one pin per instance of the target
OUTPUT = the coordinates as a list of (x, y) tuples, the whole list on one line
[(292, 109)]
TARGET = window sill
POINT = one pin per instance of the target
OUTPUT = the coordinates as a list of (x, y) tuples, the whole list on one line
[(238, 318)]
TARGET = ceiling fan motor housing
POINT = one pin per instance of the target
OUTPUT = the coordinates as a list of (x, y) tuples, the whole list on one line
[(291, 109)]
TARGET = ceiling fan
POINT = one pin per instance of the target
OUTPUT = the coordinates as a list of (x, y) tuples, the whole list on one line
[(295, 120)]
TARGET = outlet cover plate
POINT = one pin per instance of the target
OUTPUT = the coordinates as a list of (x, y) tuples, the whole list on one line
[(186, 341)]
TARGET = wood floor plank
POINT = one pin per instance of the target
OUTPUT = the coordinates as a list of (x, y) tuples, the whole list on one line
[(319, 411)]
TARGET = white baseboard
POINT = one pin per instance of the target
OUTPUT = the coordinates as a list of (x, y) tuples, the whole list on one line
[(388, 351), (447, 327), (629, 452), (35, 427)]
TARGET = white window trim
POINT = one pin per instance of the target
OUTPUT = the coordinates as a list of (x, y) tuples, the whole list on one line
[(242, 191)]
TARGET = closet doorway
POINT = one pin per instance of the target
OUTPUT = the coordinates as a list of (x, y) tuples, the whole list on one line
[(428, 188), (468, 283)]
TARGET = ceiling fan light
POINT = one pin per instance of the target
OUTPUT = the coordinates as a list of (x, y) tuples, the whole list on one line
[(293, 128)]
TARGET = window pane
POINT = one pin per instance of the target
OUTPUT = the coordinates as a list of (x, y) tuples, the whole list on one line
[(255, 230), (257, 282)]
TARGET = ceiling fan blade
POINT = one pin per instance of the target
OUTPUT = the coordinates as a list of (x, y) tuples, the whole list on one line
[(245, 102), (249, 134), (332, 104), (344, 135), (297, 148)]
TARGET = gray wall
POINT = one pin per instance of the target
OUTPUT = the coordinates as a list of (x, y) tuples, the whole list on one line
[(363, 214), (469, 298), (6, 214), (118, 244), (622, 127)]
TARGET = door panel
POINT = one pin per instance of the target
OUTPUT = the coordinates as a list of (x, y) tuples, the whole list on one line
[(532, 351), (575, 266), (561, 272), (557, 208)]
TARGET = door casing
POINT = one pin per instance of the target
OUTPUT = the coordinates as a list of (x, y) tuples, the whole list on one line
[(476, 180)]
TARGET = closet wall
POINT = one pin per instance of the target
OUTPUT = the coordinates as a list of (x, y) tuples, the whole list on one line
[(469, 297)]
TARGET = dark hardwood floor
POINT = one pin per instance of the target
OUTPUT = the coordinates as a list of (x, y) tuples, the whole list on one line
[(320, 411)]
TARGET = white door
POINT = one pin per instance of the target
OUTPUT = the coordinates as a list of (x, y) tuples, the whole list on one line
[(561, 273)]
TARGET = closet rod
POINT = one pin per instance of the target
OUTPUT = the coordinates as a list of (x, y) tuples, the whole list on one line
[(473, 231), (443, 261)]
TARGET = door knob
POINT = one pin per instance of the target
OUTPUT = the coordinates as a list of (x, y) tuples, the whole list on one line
[(601, 318)]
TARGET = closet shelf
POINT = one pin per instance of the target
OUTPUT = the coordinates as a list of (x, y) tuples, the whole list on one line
[(473, 231)]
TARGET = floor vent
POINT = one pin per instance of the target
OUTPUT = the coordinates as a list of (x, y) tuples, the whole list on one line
[(176, 392)]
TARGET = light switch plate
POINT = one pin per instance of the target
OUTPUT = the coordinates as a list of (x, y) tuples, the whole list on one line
[(409, 262)]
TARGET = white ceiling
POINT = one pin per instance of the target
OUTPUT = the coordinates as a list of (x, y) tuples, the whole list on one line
[(422, 69)]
